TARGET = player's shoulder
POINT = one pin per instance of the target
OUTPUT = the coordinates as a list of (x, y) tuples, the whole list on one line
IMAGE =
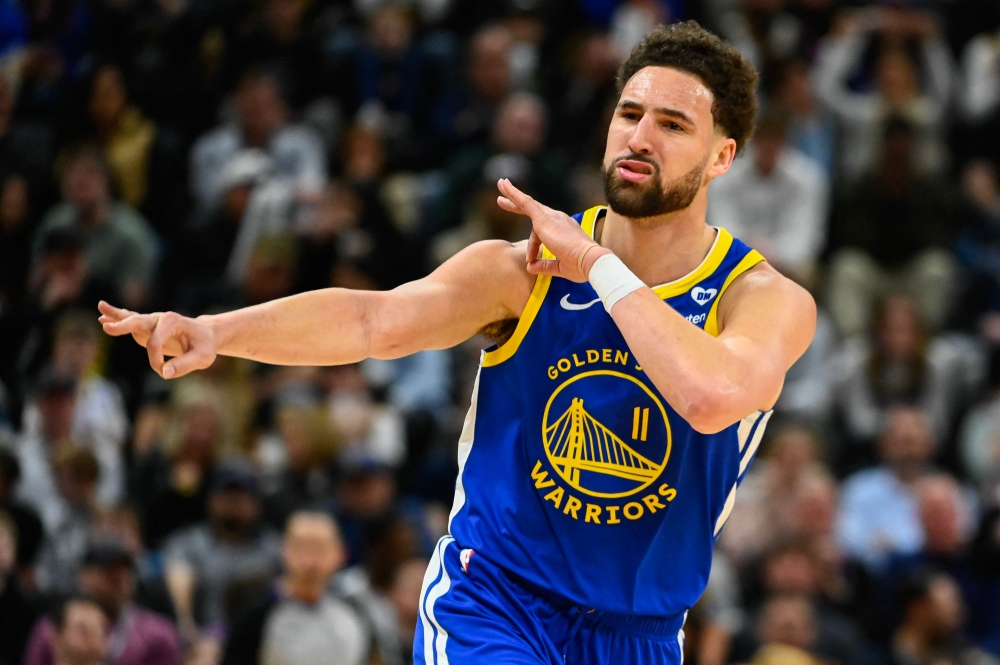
[(762, 289), (496, 257), (764, 280)]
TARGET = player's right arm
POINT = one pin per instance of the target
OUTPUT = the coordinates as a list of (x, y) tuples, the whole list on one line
[(482, 284)]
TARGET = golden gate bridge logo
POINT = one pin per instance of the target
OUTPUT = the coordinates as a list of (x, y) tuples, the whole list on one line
[(578, 444)]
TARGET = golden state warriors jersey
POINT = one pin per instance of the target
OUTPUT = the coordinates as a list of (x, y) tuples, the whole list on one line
[(576, 475)]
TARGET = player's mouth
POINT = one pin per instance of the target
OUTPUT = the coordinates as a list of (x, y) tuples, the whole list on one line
[(633, 170)]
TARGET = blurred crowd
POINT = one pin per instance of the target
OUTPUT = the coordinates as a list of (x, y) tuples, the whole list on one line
[(203, 156)]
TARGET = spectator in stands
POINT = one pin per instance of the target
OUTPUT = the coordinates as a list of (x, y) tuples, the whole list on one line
[(776, 200), (979, 94), (120, 245), (28, 527), (585, 102), (269, 208), (15, 242), (978, 244), (277, 35), (99, 419), (121, 526), (895, 86), (55, 396), (171, 478), (933, 612), (309, 444), (76, 472), (81, 632), (404, 594), (395, 82), (271, 270), (979, 438), (17, 611), (946, 516), (301, 623), (766, 509), (137, 636), (296, 152), (811, 129), (892, 230), (515, 151), (788, 628), (901, 363), (100, 410), (123, 132), (792, 567), (223, 561), (26, 146), (60, 280), (469, 115), (879, 513)]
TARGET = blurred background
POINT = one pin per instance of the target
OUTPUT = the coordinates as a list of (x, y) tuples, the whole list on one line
[(203, 155)]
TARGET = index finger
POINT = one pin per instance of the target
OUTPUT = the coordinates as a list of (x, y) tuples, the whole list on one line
[(132, 324), (528, 204), (109, 310)]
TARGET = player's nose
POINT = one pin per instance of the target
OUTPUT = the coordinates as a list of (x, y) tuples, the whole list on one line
[(642, 139)]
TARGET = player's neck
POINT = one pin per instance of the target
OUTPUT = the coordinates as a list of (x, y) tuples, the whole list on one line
[(660, 249)]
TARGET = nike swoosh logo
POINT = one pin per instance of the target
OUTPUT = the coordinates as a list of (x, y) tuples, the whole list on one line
[(566, 304)]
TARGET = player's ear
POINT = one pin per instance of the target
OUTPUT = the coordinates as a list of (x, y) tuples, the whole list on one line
[(724, 152)]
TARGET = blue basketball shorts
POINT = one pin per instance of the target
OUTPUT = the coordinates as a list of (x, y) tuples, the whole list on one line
[(472, 612)]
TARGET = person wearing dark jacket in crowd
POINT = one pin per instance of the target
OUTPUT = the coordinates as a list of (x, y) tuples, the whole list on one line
[(28, 525), (137, 636), (892, 230), (17, 611)]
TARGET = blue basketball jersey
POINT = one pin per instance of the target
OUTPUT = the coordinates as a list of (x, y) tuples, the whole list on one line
[(576, 476)]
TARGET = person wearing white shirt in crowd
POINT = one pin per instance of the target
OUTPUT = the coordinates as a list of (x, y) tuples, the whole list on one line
[(776, 199), (895, 85), (100, 421), (879, 511), (262, 121), (980, 93), (56, 397)]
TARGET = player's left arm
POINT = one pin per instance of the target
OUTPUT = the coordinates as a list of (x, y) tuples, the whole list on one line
[(766, 322)]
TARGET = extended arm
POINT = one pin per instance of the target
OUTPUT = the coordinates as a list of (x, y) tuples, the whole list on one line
[(484, 283), (767, 322)]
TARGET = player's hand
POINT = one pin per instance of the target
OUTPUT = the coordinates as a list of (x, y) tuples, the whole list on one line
[(191, 342), (559, 232)]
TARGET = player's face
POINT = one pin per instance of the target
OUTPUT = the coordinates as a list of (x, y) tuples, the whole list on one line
[(663, 146)]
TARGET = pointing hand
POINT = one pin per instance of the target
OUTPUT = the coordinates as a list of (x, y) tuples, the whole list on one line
[(574, 250), (191, 342)]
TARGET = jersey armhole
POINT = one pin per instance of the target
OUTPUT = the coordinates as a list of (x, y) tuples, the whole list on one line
[(535, 300), (752, 258)]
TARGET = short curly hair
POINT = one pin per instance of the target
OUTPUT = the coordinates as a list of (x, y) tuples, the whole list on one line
[(689, 47)]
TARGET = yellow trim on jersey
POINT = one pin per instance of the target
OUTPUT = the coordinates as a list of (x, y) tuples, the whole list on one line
[(535, 300), (505, 352), (752, 258), (589, 222), (711, 263)]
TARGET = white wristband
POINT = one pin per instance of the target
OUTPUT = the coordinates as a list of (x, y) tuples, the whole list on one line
[(612, 280)]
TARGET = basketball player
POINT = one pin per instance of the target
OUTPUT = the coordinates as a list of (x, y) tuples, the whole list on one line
[(611, 426)]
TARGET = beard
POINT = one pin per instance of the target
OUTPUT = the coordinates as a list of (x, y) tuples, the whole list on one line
[(650, 199)]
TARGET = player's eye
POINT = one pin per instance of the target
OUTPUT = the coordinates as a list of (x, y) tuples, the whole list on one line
[(674, 127)]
